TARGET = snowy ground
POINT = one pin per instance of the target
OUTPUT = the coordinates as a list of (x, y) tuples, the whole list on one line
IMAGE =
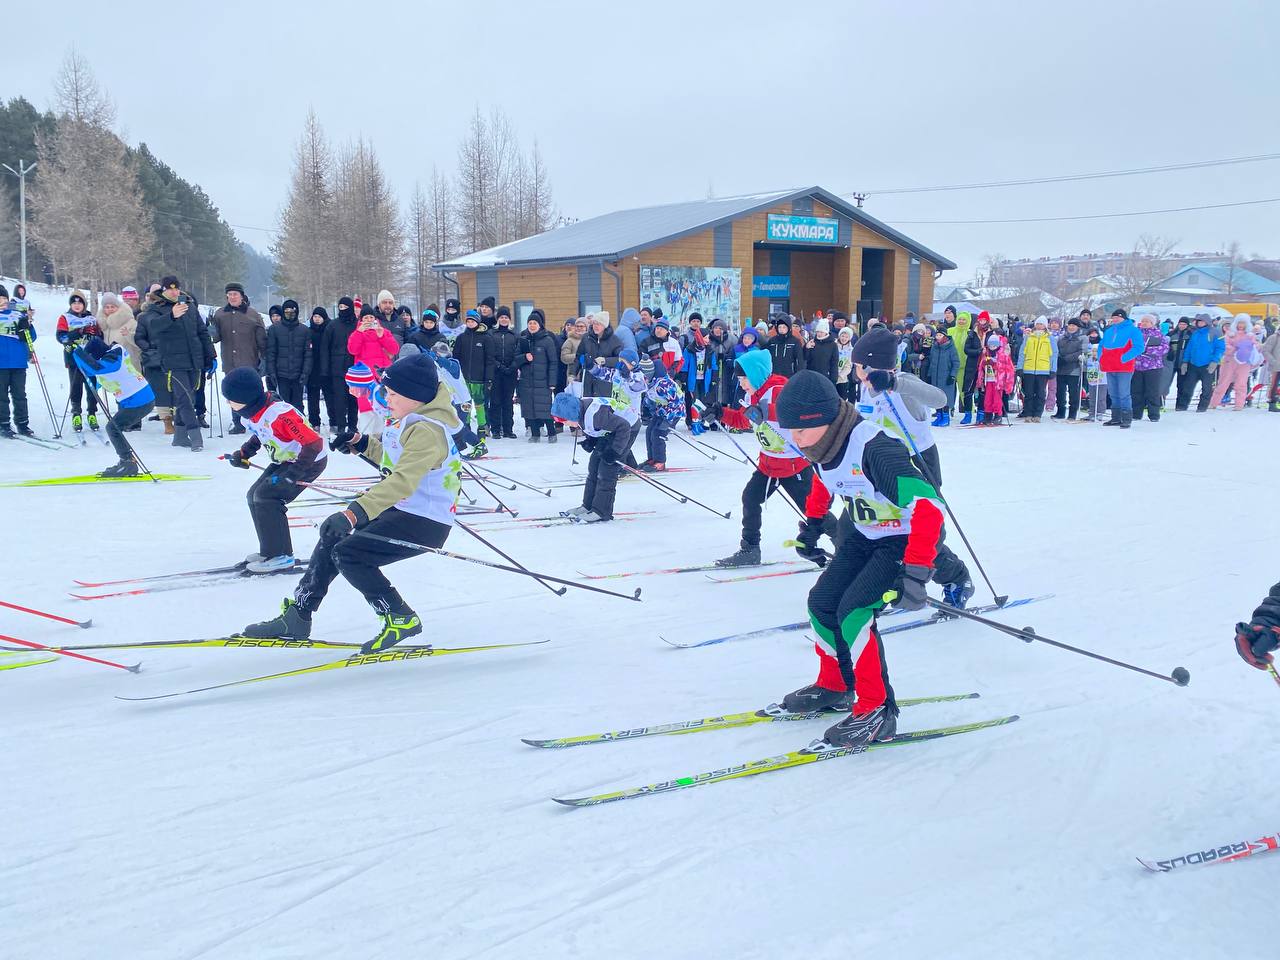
[(393, 812)]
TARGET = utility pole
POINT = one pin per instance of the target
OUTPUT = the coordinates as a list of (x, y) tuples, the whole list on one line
[(21, 174)]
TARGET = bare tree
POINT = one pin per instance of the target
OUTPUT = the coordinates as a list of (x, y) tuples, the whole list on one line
[(371, 248), (419, 224), (1144, 268), (78, 95), (304, 248), (1232, 262), (476, 186), (989, 270), (443, 244), (542, 208)]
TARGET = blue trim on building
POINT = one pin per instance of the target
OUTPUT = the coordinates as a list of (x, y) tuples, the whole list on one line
[(723, 244), (913, 288), (487, 285), (589, 283)]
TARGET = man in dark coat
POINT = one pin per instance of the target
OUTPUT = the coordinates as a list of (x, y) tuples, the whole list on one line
[(320, 383), (503, 353), (177, 342), (1070, 363), (600, 343), (538, 362), (333, 344), (289, 358), (783, 347), (242, 336), (722, 343)]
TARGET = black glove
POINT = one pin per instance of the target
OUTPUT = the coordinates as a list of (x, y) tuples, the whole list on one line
[(910, 586), (608, 454), (1255, 641), (754, 414), (713, 414), (341, 524), (588, 443), (810, 531), (236, 458), (349, 441)]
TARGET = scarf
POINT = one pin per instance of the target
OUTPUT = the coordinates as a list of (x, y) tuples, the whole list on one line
[(699, 339), (836, 436)]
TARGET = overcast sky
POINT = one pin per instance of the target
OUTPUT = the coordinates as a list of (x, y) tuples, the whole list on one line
[(634, 104)]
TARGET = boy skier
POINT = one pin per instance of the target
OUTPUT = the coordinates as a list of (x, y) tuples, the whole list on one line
[(666, 405), (886, 542), (627, 389), (113, 367), (893, 400), (16, 333), (416, 501), (297, 456), (606, 438), (780, 464)]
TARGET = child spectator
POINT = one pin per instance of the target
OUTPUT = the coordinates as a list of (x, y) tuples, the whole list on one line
[(996, 376)]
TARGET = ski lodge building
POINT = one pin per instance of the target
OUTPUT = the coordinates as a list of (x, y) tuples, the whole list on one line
[(739, 258)]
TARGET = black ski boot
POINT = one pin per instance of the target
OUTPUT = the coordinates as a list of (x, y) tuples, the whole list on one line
[(25, 430), (399, 623), (861, 730), (813, 697), (125, 468), (748, 555), (6, 432), (292, 624)]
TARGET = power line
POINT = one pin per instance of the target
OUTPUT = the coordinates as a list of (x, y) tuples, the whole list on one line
[(1135, 171), (1095, 216), (238, 226)]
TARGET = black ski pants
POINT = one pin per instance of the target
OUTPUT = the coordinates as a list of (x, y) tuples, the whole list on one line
[(13, 383), (501, 404), (126, 418), (268, 499), (181, 386), (1187, 387), (1146, 393), (359, 557), (347, 412), (759, 488), (159, 383), (1034, 386), (1069, 394), (601, 487), (655, 438), (290, 391), (326, 387)]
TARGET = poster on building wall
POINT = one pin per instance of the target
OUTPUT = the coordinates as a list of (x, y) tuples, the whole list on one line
[(679, 291)]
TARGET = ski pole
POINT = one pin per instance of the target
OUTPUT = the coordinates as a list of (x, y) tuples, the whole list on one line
[(440, 551), (217, 394), (746, 456), (132, 449), (692, 445), (501, 486), (1001, 599), (1179, 676), (574, 461), (489, 470), (67, 653), (672, 491), (559, 592), (1271, 669), (83, 624), (44, 389), (485, 487)]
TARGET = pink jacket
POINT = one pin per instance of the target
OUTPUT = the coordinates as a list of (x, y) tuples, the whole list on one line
[(376, 348), (1234, 341), (1003, 364)]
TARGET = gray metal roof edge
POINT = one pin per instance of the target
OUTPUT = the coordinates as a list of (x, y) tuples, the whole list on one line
[(830, 199)]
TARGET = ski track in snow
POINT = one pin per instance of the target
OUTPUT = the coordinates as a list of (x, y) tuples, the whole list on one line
[(391, 811)]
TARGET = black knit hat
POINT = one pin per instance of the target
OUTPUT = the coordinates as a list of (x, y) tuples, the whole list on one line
[(414, 377), (170, 283), (451, 304), (237, 287), (878, 349), (808, 400), (275, 311), (367, 311), (346, 302), (290, 305), (243, 385), (536, 314), (489, 302), (503, 311), (695, 316), (1119, 312), (4, 291)]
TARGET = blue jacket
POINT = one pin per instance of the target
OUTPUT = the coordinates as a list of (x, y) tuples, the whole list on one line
[(626, 331), (711, 366), (14, 354), (116, 373), (1204, 347)]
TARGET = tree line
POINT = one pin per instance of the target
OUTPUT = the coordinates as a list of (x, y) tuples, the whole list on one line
[(341, 230), (100, 213)]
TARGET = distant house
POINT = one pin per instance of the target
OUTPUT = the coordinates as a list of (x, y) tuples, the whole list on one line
[(1208, 282)]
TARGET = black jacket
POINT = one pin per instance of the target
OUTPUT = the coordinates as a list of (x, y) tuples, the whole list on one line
[(321, 364), (503, 351), (426, 340), (1071, 353), (333, 342), (824, 357), (396, 323), (173, 343), (289, 351), (785, 351), (537, 376), (607, 346), (471, 350), (972, 350), (1177, 346)]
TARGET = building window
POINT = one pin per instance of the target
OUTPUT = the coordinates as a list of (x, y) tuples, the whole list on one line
[(1193, 279), (585, 308), (523, 308)]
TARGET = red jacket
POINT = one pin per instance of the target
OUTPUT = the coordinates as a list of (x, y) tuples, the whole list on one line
[(770, 466)]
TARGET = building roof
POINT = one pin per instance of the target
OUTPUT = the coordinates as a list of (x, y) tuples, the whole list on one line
[(1242, 281), (613, 236)]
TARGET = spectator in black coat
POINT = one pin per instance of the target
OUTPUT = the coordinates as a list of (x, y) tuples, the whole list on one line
[(428, 333), (537, 361), (503, 353), (783, 347), (1071, 346), (333, 344), (724, 345), (599, 343), (941, 369), (320, 383), (821, 353), (176, 341), (289, 359)]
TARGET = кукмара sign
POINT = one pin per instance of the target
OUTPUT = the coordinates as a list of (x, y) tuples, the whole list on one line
[(789, 229)]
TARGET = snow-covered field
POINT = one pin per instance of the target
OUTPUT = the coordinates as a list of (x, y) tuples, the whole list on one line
[(393, 812)]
